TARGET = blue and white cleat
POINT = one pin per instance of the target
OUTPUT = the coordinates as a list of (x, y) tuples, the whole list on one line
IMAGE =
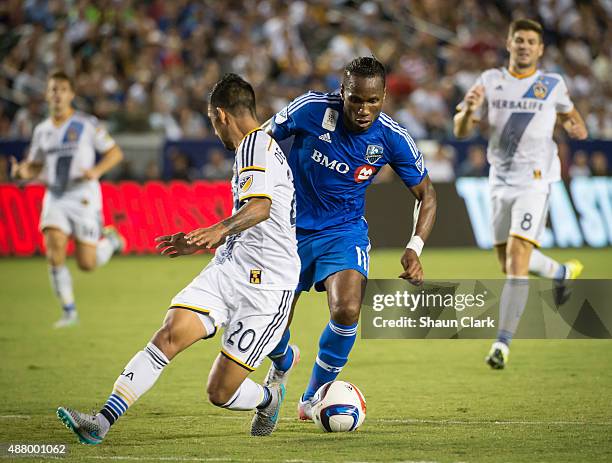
[(87, 427), (68, 319), (498, 356), (265, 420), (561, 290), (276, 376)]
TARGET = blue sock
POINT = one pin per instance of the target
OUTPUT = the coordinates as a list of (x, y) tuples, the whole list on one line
[(334, 346), (281, 355), (69, 308), (505, 337)]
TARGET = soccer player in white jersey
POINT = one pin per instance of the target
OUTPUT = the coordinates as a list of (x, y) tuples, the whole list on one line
[(247, 288), (63, 150), (522, 106)]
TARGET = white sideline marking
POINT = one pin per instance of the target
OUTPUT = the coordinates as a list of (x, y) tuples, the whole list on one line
[(15, 417)]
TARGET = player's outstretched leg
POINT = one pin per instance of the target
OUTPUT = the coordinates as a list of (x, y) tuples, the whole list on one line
[(344, 293), (546, 267), (181, 329)]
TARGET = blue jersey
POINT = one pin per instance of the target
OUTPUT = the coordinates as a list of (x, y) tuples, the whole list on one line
[(332, 166)]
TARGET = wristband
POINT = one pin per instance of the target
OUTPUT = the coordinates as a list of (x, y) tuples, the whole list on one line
[(416, 244)]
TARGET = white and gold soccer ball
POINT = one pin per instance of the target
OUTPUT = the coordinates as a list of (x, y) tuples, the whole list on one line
[(338, 406)]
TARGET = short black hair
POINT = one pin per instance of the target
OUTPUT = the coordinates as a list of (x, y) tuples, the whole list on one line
[(365, 66), (233, 94), (526, 25), (59, 74)]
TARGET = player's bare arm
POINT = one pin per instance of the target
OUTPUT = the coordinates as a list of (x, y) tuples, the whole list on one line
[(425, 216), (256, 210), (465, 121), (574, 124), (26, 170), (109, 160)]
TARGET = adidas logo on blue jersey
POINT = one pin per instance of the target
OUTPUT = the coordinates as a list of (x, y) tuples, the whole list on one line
[(325, 137)]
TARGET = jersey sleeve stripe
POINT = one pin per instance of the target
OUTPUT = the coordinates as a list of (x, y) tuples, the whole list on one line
[(249, 168), (390, 123), (315, 100), (255, 195), (307, 96)]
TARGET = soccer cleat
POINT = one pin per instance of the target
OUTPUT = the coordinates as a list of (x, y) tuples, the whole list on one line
[(561, 290), (278, 376), (265, 420), (87, 427), (68, 319), (112, 234), (498, 355), (304, 409)]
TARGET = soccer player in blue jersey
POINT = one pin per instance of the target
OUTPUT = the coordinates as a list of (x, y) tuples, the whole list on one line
[(341, 142)]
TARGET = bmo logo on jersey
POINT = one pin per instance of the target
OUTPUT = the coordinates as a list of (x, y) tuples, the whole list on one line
[(322, 159), (363, 173)]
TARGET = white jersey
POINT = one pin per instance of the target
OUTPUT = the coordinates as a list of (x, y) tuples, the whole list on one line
[(66, 151), (521, 113), (264, 255)]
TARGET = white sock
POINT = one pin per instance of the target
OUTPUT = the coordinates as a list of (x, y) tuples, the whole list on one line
[(104, 251), (247, 397), (544, 266), (138, 376), (61, 282), (511, 306)]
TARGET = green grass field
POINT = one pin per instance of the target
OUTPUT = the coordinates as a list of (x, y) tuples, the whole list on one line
[(431, 401)]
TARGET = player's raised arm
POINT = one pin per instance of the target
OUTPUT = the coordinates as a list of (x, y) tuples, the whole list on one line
[(574, 124), (466, 119), (424, 218)]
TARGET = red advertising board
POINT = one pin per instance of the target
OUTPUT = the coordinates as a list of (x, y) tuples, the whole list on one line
[(139, 211)]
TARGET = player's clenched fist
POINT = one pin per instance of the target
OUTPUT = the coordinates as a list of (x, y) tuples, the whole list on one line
[(474, 97), (175, 245)]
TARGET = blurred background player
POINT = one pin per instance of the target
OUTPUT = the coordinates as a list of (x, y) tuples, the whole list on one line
[(523, 104), (341, 142), (247, 288), (64, 149)]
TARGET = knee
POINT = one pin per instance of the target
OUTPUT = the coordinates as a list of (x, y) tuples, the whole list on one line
[(86, 265), (218, 396), (345, 310), (166, 341)]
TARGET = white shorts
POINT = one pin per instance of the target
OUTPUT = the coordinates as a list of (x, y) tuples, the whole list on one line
[(253, 319), (77, 214), (519, 212)]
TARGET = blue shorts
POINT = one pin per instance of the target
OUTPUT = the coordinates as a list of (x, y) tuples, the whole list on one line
[(325, 252)]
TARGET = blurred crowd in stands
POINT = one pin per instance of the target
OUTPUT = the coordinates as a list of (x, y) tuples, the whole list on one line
[(144, 65)]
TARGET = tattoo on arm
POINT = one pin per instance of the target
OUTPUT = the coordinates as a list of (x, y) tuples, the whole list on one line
[(254, 211)]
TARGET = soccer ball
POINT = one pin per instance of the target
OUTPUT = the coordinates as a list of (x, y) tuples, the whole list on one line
[(338, 406)]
